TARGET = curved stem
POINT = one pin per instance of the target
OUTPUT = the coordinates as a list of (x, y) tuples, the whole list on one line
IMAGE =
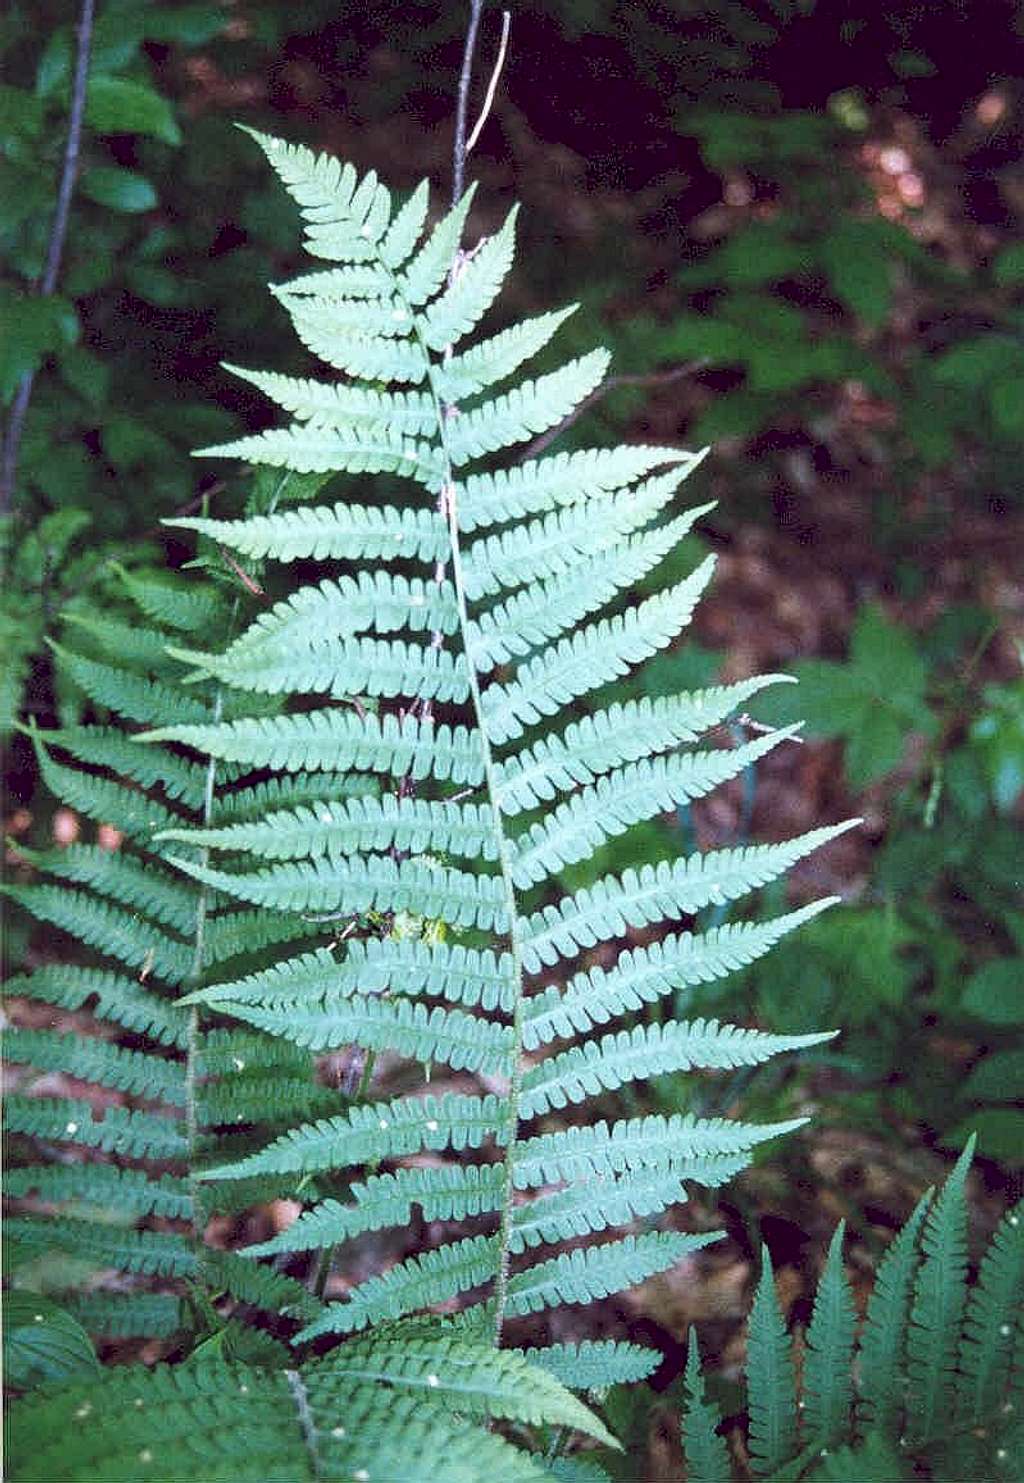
[(459, 150)]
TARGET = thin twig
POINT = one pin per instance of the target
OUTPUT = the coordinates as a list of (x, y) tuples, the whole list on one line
[(55, 251), (492, 86), (462, 104), (612, 383)]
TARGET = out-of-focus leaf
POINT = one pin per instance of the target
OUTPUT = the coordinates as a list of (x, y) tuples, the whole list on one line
[(998, 1077), (1008, 267), (1000, 1133), (115, 105), (995, 993), (121, 190)]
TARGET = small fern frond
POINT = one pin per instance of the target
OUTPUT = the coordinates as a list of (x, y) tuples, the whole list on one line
[(936, 1313), (103, 1185), (993, 1322), (707, 1458), (595, 1364), (588, 1274), (883, 1341), (326, 532), (770, 1383), (827, 1380), (87, 1058), (123, 1001)]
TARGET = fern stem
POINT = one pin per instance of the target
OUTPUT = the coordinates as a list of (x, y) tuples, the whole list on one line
[(300, 1396)]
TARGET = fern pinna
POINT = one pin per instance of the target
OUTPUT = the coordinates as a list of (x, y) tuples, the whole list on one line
[(115, 1189), (932, 1386), (460, 650)]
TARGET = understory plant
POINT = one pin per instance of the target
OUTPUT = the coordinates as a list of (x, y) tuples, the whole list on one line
[(379, 819)]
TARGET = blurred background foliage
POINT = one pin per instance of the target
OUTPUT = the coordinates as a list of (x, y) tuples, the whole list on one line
[(805, 219)]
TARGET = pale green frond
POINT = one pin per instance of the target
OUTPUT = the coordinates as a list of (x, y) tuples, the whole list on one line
[(126, 1315), (124, 878), (593, 1205), (827, 1378), (883, 1340), (424, 273), (228, 1271), (342, 738), (103, 1185), (450, 1036), (383, 319), (625, 732), (475, 285), (412, 414), (563, 540), (596, 1150), (593, 1272), (993, 1321), (544, 610), (237, 933), (310, 448), (444, 1192), (332, 829), (367, 883), (155, 1253), (644, 975), (124, 1001), (288, 790), (705, 1451), (140, 1135), (589, 658), (262, 1097), (131, 696), (396, 965), (323, 532), (119, 934), (419, 1282), (543, 484), (105, 746), (343, 668), (357, 281), (475, 1379), (936, 1312), (345, 217), (377, 1131), (641, 790), (128, 810), (492, 360), (595, 1364), (88, 1058), (372, 602), (406, 227), (130, 644), (607, 909), (169, 602), (531, 408), (646, 1051), (325, 328), (771, 1394)]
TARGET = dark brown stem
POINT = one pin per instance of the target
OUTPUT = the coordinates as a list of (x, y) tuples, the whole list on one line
[(55, 251), (462, 103)]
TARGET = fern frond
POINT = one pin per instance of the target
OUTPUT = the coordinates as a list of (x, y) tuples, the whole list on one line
[(605, 740), (123, 1001), (883, 1341), (325, 532), (105, 746), (339, 738), (707, 1458), (590, 1206), (128, 810), (827, 1383), (644, 975), (124, 878), (770, 1384), (597, 1150), (126, 1315), (594, 1364), (587, 1274), (531, 408), (639, 898), (131, 644), (122, 1130), (103, 1185), (333, 829), (641, 790), (992, 1324), (492, 360), (474, 287), (119, 934), (379, 1130), (646, 1051), (591, 657), (91, 1059), (936, 1313), (130, 695), (155, 1253), (235, 934), (433, 1277), (311, 448), (540, 485), (411, 413), (170, 603)]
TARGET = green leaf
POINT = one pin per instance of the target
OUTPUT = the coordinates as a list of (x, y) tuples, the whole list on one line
[(1008, 268), (43, 1343), (122, 190), (995, 992), (114, 105)]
